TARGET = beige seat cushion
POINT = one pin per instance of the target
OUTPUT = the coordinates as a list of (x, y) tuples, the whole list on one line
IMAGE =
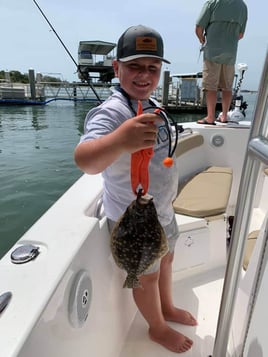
[(188, 143), (206, 194), (252, 237)]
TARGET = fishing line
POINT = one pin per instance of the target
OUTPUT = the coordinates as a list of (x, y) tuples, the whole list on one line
[(66, 49), (163, 114)]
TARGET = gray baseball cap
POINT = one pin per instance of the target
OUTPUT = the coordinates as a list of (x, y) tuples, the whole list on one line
[(140, 41)]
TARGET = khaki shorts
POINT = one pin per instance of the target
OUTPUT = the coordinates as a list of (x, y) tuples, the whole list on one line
[(217, 76), (172, 234)]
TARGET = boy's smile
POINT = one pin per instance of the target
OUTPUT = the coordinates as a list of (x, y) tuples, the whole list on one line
[(139, 77)]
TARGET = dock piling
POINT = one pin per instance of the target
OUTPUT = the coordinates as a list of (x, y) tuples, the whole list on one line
[(32, 83), (165, 88)]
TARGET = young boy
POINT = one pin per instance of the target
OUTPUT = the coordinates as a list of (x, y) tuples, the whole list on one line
[(113, 131)]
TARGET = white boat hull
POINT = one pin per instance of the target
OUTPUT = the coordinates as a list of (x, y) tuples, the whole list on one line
[(43, 317)]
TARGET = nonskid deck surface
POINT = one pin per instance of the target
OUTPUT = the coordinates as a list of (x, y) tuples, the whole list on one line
[(201, 296)]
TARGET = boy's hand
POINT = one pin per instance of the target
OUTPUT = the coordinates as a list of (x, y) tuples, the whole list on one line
[(139, 132), (134, 134)]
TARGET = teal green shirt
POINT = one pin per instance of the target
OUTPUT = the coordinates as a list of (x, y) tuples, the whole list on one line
[(222, 21)]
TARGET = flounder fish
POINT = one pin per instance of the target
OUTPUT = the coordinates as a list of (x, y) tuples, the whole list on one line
[(138, 239)]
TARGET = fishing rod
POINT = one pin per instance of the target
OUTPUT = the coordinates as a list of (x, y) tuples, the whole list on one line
[(66, 49)]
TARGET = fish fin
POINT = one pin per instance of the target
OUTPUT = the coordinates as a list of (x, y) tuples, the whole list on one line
[(132, 281)]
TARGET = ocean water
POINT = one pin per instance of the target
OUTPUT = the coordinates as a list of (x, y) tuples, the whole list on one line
[(37, 166), (36, 160)]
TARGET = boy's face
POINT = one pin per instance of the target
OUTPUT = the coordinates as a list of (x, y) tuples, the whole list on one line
[(139, 77)]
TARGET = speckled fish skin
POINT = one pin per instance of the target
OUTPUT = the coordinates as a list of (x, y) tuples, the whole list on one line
[(138, 240)]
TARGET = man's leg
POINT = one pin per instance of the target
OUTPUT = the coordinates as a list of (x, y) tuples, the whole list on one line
[(211, 99), (211, 73), (226, 83), (226, 103)]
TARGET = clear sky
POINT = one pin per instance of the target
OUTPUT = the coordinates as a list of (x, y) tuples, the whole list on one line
[(28, 42)]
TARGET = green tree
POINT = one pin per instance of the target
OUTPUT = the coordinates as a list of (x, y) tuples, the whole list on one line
[(16, 76)]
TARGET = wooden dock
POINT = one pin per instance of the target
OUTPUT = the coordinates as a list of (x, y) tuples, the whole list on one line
[(190, 108), (182, 93), (176, 96)]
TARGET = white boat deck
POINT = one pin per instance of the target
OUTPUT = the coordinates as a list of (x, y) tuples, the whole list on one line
[(72, 240), (192, 294)]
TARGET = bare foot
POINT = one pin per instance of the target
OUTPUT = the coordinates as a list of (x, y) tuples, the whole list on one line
[(181, 316), (171, 339)]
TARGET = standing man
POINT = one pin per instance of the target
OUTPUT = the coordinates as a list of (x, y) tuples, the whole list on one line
[(219, 27)]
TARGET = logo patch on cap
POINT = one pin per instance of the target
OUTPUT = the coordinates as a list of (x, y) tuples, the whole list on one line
[(146, 44)]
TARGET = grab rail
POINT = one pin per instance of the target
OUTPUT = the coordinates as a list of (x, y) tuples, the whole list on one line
[(257, 152)]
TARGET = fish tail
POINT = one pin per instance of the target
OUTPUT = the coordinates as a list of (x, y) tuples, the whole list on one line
[(132, 281)]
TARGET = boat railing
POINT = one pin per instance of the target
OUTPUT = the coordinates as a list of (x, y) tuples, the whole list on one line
[(98, 212), (74, 91), (257, 153)]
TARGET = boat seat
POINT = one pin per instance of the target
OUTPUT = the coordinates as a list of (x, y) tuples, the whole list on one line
[(188, 143), (250, 244), (206, 194), (252, 237)]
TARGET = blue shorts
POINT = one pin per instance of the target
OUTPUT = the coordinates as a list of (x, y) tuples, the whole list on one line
[(172, 234)]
